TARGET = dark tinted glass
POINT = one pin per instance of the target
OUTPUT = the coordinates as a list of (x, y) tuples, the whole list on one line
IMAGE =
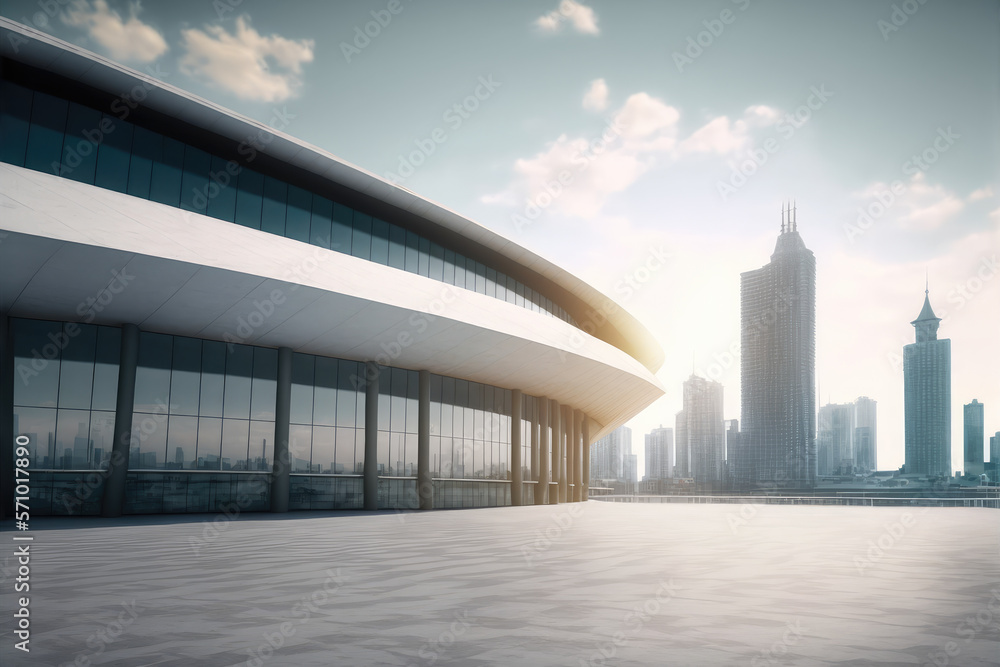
[(340, 239), (15, 119), (194, 182), (80, 146), (114, 155), (380, 241), (222, 189), (298, 214), (45, 137), (165, 183), (147, 148), (361, 242), (319, 231), (272, 217), (249, 199)]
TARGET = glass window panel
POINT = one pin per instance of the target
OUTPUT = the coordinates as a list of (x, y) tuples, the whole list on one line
[(36, 362), (152, 376), (45, 136), (397, 247), (165, 182), (224, 175), (519, 291), (424, 257), (300, 446), (511, 290), (350, 381), (480, 277), (239, 371), (298, 213), (323, 449), (235, 444), (325, 392), (114, 155), (213, 378), (272, 218), (380, 241), (249, 198), (435, 404), (149, 441), (449, 267), (182, 442), (491, 282), (320, 229), (447, 419), (102, 438), (194, 181), (76, 375), (81, 143), (412, 252), (72, 450), (209, 443), (361, 241), (342, 229), (147, 147), (436, 270), (410, 455), (185, 376), (265, 383), (384, 404), (359, 415), (15, 121), (39, 426), (383, 453), (412, 400), (302, 388), (261, 445), (345, 459)]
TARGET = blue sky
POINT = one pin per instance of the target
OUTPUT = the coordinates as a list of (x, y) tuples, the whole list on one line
[(673, 127)]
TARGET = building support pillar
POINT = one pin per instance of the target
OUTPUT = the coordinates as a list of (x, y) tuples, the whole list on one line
[(571, 437), (544, 442), (281, 469), (578, 457), (425, 485), (586, 458), (557, 495), (113, 500), (536, 432), (517, 399), (371, 436)]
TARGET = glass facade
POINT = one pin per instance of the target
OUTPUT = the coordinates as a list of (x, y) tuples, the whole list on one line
[(203, 425), (46, 133)]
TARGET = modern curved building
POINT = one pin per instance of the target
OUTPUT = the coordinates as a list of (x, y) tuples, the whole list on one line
[(201, 313)]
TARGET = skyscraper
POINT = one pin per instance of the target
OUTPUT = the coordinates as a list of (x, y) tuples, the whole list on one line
[(778, 366), (865, 435), (835, 439), (702, 436), (974, 431), (660, 453), (607, 455), (927, 397)]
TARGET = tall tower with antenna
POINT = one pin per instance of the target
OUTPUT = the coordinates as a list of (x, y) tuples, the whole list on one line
[(778, 366)]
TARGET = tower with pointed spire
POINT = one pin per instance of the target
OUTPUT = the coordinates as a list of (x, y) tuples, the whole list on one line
[(927, 396), (778, 366)]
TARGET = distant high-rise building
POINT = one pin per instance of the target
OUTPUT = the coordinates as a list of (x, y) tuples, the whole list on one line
[(607, 455), (682, 450), (778, 366), (995, 448), (927, 397), (704, 431), (835, 439), (732, 445), (865, 435), (659, 454), (975, 431)]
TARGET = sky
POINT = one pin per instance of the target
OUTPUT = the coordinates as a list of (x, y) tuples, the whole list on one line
[(602, 134)]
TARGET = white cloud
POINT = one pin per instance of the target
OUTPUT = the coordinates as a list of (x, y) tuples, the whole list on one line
[(995, 214), (981, 193), (242, 62), (129, 40), (581, 17), (596, 98), (915, 205), (723, 137)]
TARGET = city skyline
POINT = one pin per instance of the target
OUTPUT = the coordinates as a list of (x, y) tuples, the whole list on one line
[(894, 177)]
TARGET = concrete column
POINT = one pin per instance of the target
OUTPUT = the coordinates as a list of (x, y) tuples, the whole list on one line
[(558, 471), (281, 470), (371, 436), (425, 485), (7, 435), (586, 457), (571, 437), (535, 435), (578, 457), (544, 442), (515, 447), (113, 501)]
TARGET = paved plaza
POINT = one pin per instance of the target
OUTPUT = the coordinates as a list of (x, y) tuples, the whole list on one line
[(586, 584)]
